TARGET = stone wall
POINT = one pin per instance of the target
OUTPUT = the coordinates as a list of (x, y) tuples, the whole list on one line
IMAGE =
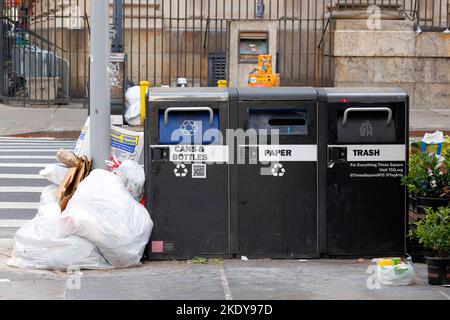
[(394, 55)]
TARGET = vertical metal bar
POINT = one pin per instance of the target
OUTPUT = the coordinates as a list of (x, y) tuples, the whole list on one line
[(56, 74), (154, 42), (315, 41), (70, 50), (283, 75), (170, 42), (178, 38), (292, 40), (78, 55), (201, 37), (3, 37), (322, 44), (307, 42), (300, 30), (131, 40), (330, 46), (193, 42), (139, 41), (185, 37), (146, 42), (87, 69), (162, 42)]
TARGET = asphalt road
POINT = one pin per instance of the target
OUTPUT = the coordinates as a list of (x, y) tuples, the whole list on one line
[(21, 159)]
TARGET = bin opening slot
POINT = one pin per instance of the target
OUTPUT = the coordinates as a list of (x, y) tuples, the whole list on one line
[(189, 125), (286, 121), (366, 125)]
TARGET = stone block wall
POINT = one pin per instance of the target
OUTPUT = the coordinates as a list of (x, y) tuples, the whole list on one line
[(395, 55)]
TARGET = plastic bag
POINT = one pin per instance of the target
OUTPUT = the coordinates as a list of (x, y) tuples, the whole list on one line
[(38, 245), (54, 173), (133, 176), (105, 213), (395, 274), (133, 106)]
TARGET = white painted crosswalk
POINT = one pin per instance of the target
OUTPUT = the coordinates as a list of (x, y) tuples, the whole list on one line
[(21, 159)]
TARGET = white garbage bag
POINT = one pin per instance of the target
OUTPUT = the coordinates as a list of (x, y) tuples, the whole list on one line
[(133, 106), (133, 176), (37, 244), (103, 211), (402, 274), (54, 173)]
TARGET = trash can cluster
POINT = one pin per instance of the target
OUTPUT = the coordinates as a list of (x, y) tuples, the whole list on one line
[(276, 172)]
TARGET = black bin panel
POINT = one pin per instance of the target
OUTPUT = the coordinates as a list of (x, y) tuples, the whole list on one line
[(277, 210), (366, 159)]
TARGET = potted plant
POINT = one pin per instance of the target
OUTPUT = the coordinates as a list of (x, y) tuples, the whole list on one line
[(428, 181), (433, 233)]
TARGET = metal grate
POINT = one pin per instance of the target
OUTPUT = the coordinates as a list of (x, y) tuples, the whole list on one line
[(217, 68)]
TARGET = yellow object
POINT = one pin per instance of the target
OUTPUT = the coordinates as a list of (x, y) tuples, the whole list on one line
[(222, 83), (265, 64), (263, 80), (389, 262), (144, 86)]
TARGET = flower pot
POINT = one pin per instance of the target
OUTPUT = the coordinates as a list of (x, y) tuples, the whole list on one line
[(412, 200), (438, 271), (434, 203)]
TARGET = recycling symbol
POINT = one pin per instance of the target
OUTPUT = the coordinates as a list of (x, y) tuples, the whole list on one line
[(278, 170), (180, 170), (188, 128)]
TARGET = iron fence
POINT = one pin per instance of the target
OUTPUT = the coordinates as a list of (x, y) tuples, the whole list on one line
[(44, 51)]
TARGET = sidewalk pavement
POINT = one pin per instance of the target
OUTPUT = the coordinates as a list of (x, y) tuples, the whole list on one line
[(53, 120), (220, 280), (48, 121)]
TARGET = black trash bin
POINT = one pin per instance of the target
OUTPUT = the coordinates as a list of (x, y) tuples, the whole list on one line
[(363, 200), (187, 172), (274, 179)]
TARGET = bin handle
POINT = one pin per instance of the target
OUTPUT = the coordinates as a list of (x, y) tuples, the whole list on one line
[(389, 111), (192, 109)]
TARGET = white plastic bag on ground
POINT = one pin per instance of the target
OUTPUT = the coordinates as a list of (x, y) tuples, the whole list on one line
[(133, 106), (103, 211), (402, 274), (133, 176), (37, 244), (54, 173)]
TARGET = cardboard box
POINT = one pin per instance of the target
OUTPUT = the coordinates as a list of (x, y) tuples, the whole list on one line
[(263, 80)]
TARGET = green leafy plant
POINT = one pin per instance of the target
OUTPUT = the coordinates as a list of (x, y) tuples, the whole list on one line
[(433, 231), (429, 176)]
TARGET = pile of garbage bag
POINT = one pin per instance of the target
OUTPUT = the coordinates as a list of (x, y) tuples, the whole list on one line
[(102, 225)]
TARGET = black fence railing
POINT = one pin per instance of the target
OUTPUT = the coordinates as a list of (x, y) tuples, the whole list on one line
[(44, 44)]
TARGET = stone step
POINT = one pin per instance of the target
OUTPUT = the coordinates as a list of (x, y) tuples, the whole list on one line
[(364, 4)]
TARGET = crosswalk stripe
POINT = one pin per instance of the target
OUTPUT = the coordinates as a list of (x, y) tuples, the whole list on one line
[(23, 165), (22, 189), (27, 157), (29, 150), (20, 176), (19, 205), (8, 223)]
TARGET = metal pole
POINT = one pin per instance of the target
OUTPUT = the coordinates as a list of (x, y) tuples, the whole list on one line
[(2, 43), (100, 106)]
